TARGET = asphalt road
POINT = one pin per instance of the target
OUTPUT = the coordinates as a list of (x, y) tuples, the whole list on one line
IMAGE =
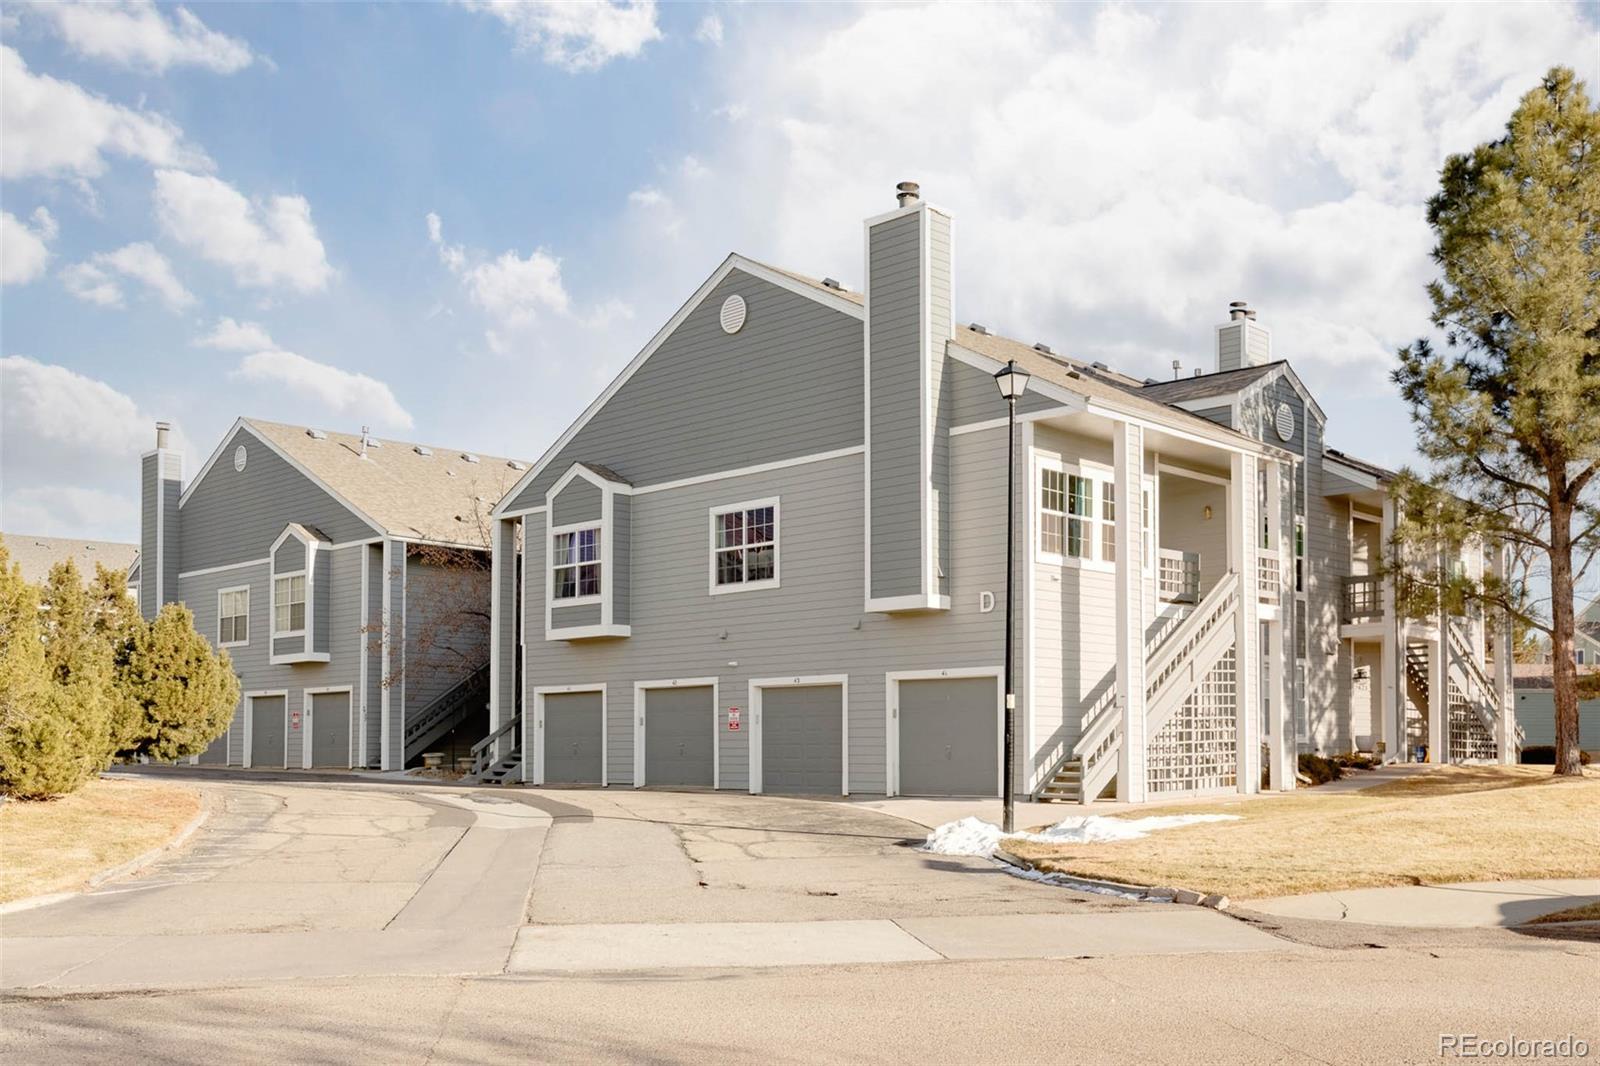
[(334, 921)]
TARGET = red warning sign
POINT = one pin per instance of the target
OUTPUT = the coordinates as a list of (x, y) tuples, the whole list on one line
[(294, 721), (733, 719)]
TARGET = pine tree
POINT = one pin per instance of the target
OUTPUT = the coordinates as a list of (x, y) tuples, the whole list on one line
[(184, 691), (78, 658), (1508, 414)]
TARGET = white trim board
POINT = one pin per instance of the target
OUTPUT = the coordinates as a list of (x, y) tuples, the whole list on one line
[(641, 726), (755, 687), (733, 262)]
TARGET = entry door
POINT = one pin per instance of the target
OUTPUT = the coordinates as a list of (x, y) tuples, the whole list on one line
[(802, 739), (679, 733), (949, 737), (330, 729), (267, 746), (574, 729)]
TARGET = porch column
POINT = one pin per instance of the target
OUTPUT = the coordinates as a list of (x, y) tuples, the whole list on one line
[(1244, 537), (1128, 456), (1507, 740), (1393, 715), (1439, 680), (503, 631), (1280, 755)]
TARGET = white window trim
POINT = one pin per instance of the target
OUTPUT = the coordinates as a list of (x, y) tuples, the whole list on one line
[(599, 526), (1099, 475), (277, 577), (247, 627), (777, 547)]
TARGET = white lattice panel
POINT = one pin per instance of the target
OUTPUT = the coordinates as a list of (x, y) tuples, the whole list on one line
[(1198, 750)]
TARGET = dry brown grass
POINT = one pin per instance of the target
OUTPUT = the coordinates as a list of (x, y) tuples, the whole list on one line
[(57, 845), (1453, 824), (1588, 912)]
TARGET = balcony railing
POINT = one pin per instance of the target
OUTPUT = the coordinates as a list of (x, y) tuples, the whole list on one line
[(1363, 598), (1178, 576), (1269, 576)]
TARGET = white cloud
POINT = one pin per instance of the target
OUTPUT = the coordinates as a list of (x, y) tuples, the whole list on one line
[(54, 128), (229, 335), (73, 511), (709, 30), (341, 391), (24, 249), (135, 33), (95, 280), (266, 244), (1117, 174), (576, 34), (67, 421), (514, 291)]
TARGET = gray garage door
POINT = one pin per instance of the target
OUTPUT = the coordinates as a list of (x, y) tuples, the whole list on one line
[(802, 739), (572, 738), (330, 729), (217, 753), (679, 730), (266, 731), (949, 737)]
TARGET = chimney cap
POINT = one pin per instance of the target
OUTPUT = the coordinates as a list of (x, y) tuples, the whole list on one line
[(907, 192), (162, 428), (1238, 309)]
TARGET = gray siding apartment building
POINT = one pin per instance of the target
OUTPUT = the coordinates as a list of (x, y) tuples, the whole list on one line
[(346, 576), (770, 556)]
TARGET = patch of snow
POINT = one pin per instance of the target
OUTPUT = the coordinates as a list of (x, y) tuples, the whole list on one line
[(973, 836)]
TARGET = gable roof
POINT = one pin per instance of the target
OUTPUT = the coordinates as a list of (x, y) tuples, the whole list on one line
[(37, 555), (1204, 386), (407, 490)]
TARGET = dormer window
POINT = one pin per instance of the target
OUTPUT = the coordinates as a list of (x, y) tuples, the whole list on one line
[(575, 564)]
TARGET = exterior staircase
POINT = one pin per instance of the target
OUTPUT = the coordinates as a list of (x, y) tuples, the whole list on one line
[(506, 770), (438, 718), (1473, 702), (1177, 659), (489, 765)]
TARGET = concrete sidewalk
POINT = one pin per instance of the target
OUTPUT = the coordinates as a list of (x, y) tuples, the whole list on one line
[(731, 945), (1483, 904)]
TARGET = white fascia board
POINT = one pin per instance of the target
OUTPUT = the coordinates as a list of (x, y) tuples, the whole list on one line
[(1350, 473), (1233, 442), (734, 261), (292, 461)]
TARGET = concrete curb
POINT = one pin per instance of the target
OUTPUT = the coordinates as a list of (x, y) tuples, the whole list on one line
[(1148, 893), (138, 862)]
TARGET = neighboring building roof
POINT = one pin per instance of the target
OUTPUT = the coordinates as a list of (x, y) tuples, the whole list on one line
[(410, 490), (37, 555), (1381, 473), (1203, 386), (1539, 675)]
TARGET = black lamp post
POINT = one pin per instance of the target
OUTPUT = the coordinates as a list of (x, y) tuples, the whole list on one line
[(1013, 382)]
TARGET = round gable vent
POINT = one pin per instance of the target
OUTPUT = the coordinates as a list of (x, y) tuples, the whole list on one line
[(1283, 421), (733, 312), (239, 458)]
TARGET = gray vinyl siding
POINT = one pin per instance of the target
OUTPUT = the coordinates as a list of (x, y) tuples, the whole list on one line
[(1335, 485), (942, 325), (288, 645), (232, 516), (148, 501), (447, 635), (1222, 416), (1258, 409), (1230, 346), (321, 600), (620, 581), (585, 614), (372, 647), (1328, 562), (578, 502), (395, 580), (896, 341), (290, 557), (1074, 643), (508, 696), (812, 624), (1258, 346), (171, 491), (251, 661), (971, 396), (789, 383)]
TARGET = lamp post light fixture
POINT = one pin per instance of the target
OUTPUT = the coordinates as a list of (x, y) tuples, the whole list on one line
[(1013, 382)]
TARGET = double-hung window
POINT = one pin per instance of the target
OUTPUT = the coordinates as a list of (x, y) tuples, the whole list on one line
[(289, 605), (575, 564), (233, 616), (744, 546)]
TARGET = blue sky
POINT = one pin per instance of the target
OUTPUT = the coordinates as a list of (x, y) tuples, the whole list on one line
[(456, 222)]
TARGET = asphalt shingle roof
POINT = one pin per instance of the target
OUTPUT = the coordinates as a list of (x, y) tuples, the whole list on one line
[(37, 555)]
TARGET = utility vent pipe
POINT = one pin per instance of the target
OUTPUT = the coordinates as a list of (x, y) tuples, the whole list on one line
[(907, 192)]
